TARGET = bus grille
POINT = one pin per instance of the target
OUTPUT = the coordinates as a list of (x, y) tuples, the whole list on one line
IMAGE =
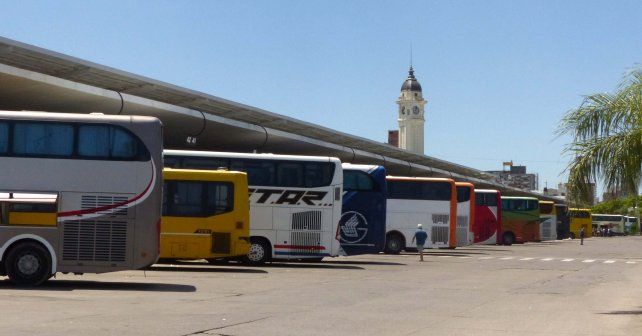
[(439, 234), (440, 219), (307, 220), (546, 229), (462, 230), (94, 240), (98, 201), (221, 242), (308, 242)]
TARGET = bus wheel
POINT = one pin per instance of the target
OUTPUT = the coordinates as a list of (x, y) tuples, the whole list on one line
[(508, 238), (572, 235), (394, 244), (259, 252), (28, 264)]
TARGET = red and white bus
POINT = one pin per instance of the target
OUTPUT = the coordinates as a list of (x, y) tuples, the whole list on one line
[(487, 224)]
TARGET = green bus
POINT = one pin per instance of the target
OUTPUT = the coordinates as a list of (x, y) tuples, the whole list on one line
[(520, 219)]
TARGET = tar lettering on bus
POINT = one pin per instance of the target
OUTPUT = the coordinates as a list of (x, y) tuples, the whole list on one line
[(291, 197)]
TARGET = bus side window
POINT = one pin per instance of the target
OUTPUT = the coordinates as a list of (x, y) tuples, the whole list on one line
[(290, 174), (4, 137), (220, 198)]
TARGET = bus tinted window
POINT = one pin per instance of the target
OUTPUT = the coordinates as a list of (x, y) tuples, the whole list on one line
[(605, 218), (354, 180), (546, 208), (123, 145), (4, 137), (197, 199), (433, 191), (290, 174), (171, 162), (220, 198), (46, 139), (204, 163), (33, 207), (93, 141), (262, 173), (490, 199), (485, 199), (318, 174), (463, 194), (519, 205)]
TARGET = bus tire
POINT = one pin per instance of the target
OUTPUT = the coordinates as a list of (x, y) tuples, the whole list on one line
[(508, 238), (571, 235), (394, 243), (28, 264), (259, 253)]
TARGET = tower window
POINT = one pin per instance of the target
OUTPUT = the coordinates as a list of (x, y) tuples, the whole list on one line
[(415, 94)]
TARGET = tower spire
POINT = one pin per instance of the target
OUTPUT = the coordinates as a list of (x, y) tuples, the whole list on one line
[(410, 56)]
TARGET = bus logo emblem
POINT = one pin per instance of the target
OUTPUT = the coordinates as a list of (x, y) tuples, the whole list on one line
[(354, 227)]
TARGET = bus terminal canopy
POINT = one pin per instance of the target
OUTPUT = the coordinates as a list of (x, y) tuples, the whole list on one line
[(33, 78)]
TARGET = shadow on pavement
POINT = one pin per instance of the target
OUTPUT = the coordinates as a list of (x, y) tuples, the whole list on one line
[(363, 262), (449, 254), (624, 312), (319, 265), (203, 268), (484, 249), (453, 252), (70, 285)]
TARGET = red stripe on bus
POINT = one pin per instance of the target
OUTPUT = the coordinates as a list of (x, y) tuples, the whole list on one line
[(106, 207), (300, 247)]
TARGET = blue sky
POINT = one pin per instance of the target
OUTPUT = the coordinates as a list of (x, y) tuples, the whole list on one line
[(498, 75)]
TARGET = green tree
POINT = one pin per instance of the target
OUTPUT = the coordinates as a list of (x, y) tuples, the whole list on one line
[(607, 140)]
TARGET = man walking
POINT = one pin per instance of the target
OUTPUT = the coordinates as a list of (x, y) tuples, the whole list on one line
[(420, 236)]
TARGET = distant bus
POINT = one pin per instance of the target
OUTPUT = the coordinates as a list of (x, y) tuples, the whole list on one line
[(632, 225), (548, 220), (362, 227), (615, 224), (520, 219), (206, 215), (465, 213), (579, 218), (100, 186), (487, 225), (295, 201), (431, 202), (563, 221)]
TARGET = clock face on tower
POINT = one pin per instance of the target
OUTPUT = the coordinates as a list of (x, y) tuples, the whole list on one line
[(415, 109)]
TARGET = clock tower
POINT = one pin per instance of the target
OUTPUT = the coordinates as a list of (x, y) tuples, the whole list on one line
[(411, 115)]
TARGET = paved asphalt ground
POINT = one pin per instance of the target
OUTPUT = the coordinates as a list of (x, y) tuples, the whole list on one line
[(548, 288)]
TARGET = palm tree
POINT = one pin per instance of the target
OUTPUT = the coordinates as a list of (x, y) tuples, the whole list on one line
[(607, 140)]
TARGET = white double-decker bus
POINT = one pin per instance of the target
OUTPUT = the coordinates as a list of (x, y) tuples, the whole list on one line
[(295, 201), (431, 202), (465, 213), (78, 193)]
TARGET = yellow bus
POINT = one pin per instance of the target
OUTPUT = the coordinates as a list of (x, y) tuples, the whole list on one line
[(580, 218), (206, 215)]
